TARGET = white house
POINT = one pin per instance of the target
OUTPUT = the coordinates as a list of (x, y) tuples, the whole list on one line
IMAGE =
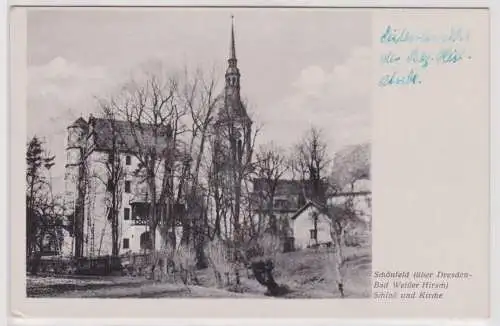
[(358, 198), (303, 225)]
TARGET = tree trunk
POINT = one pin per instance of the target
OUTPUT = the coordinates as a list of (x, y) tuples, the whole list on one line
[(315, 217), (339, 260), (114, 223), (153, 212), (80, 213), (29, 225), (199, 243), (37, 257)]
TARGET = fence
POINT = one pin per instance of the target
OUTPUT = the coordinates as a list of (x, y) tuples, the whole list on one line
[(102, 266)]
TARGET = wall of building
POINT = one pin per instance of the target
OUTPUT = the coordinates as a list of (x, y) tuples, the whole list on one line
[(302, 225), (99, 199)]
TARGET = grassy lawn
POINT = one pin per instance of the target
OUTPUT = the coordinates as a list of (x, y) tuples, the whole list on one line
[(308, 274)]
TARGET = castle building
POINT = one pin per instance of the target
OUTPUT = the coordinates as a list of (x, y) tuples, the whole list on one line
[(100, 177)]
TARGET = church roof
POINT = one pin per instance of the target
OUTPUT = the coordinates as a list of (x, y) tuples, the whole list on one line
[(228, 112)]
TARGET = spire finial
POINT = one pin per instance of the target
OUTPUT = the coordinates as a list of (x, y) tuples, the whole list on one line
[(232, 54)]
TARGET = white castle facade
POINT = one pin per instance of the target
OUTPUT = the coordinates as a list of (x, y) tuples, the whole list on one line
[(88, 191)]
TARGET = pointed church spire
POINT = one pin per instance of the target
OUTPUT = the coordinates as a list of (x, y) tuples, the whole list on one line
[(232, 72), (232, 52), (232, 89)]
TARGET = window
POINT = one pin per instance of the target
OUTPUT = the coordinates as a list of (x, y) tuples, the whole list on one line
[(126, 243), (127, 187), (126, 214), (128, 160), (313, 234)]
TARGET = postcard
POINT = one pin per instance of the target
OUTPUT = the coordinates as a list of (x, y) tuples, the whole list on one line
[(248, 161)]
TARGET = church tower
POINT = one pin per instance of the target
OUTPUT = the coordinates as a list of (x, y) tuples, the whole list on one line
[(232, 131), (233, 125)]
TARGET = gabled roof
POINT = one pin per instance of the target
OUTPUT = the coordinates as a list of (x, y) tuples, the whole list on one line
[(306, 206)]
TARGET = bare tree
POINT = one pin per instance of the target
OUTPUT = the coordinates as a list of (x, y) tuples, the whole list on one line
[(199, 98), (154, 124), (310, 165), (270, 166), (351, 165), (233, 166), (114, 174), (45, 215), (233, 144)]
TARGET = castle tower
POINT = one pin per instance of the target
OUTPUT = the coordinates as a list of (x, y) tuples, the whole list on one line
[(74, 176)]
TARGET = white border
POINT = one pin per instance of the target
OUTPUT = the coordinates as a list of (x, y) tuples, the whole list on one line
[(4, 154), (494, 170), (262, 3)]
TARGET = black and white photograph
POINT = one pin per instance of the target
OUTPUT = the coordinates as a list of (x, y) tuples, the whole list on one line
[(198, 153)]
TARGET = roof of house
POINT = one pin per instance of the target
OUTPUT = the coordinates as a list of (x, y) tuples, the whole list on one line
[(309, 203), (332, 209), (284, 186), (127, 136)]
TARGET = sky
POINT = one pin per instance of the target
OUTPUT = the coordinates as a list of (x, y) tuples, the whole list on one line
[(299, 67)]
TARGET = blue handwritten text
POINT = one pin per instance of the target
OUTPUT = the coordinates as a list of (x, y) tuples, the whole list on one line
[(395, 36), (389, 58), (410, 78)]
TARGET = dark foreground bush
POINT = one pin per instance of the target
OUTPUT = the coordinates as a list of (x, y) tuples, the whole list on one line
[(263, 272)]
